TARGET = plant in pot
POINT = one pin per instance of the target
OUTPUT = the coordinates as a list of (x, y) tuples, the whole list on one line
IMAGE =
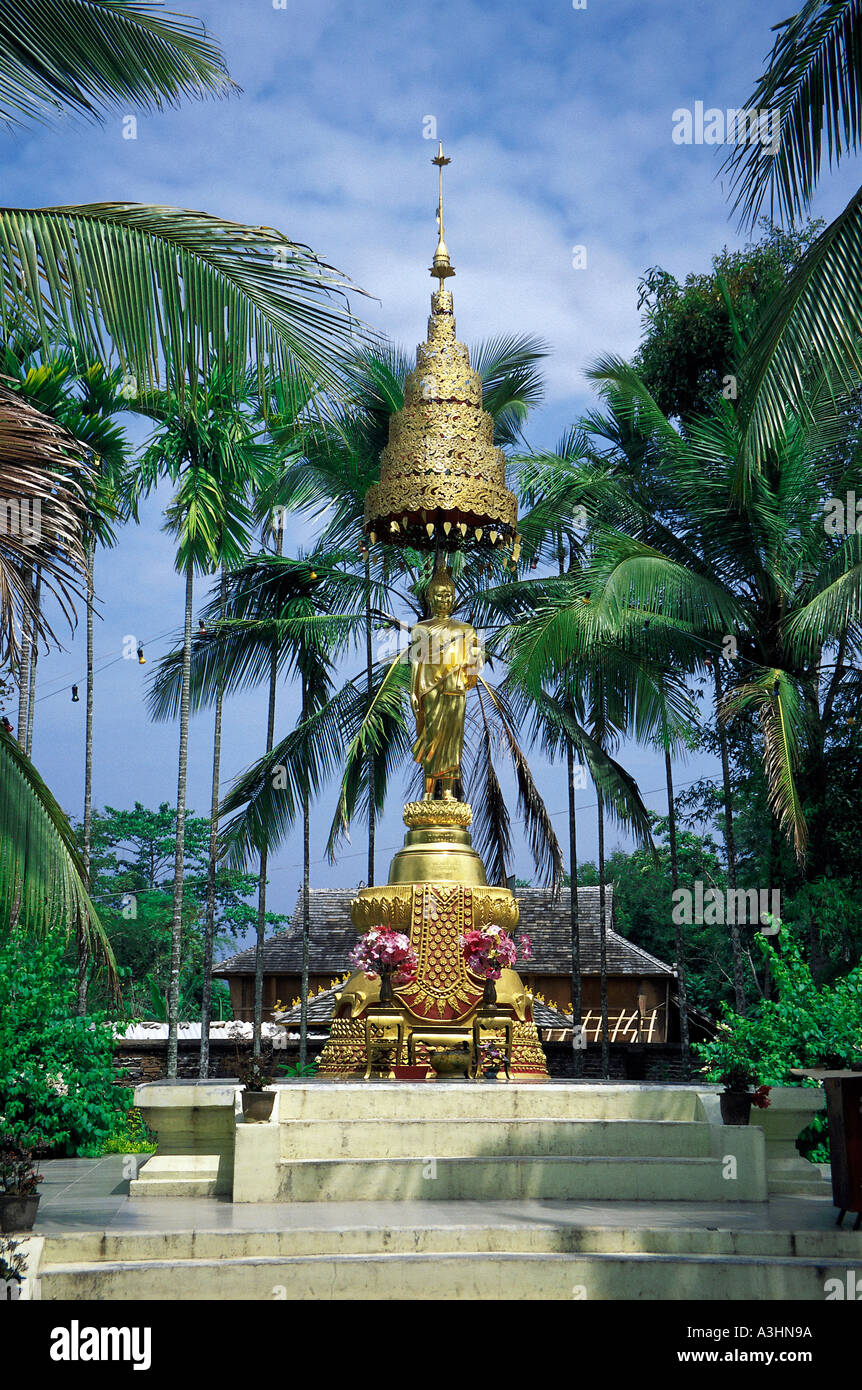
[(490, 1060), (728, 1061), (19, 1200), (737, 1097), (489, 951), (257, 1101)]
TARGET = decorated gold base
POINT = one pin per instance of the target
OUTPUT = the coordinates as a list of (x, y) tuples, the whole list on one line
[(344, 1054), (436, 894)]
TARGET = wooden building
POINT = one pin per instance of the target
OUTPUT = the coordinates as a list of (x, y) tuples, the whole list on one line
[(641, 988)]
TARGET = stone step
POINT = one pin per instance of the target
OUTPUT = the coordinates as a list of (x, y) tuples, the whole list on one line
[(435, 1100), (512, 1177), (180, 1175), (468, 1138), (504, 1234), (449, 1276)]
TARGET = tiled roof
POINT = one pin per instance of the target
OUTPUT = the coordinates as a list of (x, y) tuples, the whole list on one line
[(544, 919)]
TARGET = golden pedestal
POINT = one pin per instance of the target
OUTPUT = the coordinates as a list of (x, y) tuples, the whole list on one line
[(436, 893)]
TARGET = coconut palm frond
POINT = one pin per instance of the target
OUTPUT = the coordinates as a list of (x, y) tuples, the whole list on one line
[(42, 880), (814, 322), (512, 384), (492, 827), (179, 294), (835, 608), (812, 92), (42, 511), (81, 56), (774, 697), (378, 727), (620, 791), (267, 798), (544, 846)]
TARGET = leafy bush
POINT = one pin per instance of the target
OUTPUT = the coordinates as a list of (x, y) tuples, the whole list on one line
[(131, 1135), (57, 1074), (805, 1026)]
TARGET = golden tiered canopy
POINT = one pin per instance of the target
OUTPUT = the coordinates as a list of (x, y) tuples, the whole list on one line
[(442, 480)]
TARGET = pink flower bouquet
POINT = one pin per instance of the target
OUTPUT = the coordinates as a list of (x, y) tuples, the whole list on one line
[(382, 950), (491, 951)]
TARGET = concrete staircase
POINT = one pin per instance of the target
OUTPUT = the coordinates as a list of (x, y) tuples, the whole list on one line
[(456, 1191), (507, 1254), (468, 1142)]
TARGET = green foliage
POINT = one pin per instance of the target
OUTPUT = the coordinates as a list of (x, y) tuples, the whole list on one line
[(689, 344), (294, 1071), (643, 899), (132, 870), (805, 1026), (57, 1075), (130, 1135)]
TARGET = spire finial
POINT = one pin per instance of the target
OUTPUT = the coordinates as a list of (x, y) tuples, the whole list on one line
[(442, 267)]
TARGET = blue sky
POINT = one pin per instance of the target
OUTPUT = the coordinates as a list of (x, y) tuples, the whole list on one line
[(559, 124)]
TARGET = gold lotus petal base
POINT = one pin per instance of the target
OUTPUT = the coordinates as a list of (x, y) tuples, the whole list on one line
[(419, 814)]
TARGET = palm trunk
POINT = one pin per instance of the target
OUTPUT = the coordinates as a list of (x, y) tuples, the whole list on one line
[(87, 848), (212, 864), (682, 993), (257, 1025), (603, 941), (24, 668), (306, 924), (577, 1052), (730, 846), (179, 857), (261, 881), (369, 678), (31, 692)]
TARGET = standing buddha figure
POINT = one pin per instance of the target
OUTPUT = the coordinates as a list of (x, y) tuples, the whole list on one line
[(446, 659)]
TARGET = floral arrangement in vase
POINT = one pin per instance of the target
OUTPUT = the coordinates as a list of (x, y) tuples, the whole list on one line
[(388, 954), (490, 950)]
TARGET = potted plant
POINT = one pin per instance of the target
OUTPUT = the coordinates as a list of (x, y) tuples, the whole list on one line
[(737, 1097), (489, 951), (386, 954), (257, 1101), (19, 1200), (728, 1061), (490, 1060)]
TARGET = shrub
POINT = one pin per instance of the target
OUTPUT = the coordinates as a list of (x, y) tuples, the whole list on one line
[(131, 1135), (805, 1026), (57, 1075)]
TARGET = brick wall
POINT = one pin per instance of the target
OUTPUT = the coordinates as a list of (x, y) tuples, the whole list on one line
[(145, 1061)]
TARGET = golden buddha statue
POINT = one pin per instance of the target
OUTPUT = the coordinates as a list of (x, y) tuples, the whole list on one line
[(442, 483), (446, 659)]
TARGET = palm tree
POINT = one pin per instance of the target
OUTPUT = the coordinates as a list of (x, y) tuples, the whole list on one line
[(813, 80), (277, 615), (197, 289), (210, 448), (83, 397), (42, 879)]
